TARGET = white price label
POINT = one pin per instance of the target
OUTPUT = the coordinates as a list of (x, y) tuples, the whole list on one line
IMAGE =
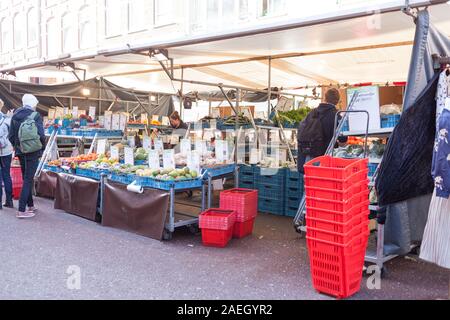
[(159, 145), (92, 112), (220, 151), (51, 114), (147, 143), (75, 112), (153, 160), (200, 146), (129, 156), (155, 118), (165, 121), (254, 156), (123, 121), (101, 146), (115, 153), (65, 111), (213, 124), (144, 118), (186, 146), (169, 159), (193, 161), (131, 141)]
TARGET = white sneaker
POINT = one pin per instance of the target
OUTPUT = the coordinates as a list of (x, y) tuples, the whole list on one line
[(25, 215)]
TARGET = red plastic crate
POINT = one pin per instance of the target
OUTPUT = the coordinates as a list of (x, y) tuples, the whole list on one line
[(337, 270), (243, 201), (340, 206), (338, 237), (334, 168), (340, 217), (338, 227), (216, 238), (337, 195), (337, 184), (217, 219), (243, 229)]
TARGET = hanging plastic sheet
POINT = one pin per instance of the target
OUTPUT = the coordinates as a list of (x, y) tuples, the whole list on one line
[(406, 220)]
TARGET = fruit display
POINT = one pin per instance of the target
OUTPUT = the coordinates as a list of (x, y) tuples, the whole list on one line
[(140, 154), (55, 163), (168, 174)]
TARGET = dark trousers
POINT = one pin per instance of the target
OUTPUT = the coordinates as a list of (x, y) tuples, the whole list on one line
[(5, 167), (29, 165)]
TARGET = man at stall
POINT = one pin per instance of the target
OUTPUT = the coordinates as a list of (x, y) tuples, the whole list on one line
[(317, 130), (28, 139)]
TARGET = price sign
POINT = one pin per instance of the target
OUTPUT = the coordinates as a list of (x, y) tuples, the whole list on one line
[(220, 151), (129, 156), (144, 118), (153, 160), (51, 114), (101, 146), (115, 121), (115, 153), (213, 124), (254, 156), (65, 111), (131, 142), (169, 159), (155, 118), (75, 112), (147, 143), (165, 121), (123, 121), (193, 161), (159, 145), (200, 146), (186, 146), (108, 120), (101, 121), (92, 111)]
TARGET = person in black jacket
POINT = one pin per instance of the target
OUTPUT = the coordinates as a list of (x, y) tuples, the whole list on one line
[(326, 114), (30, 161)]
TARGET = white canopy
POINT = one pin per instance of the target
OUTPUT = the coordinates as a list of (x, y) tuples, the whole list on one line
[(374, 48)]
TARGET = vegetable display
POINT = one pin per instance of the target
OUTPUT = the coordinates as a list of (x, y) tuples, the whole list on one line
[(293, 117), (239, 120)]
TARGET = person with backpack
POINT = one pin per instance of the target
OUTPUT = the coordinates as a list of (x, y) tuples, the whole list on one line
[(6, 151), (317, 130), (28, 139)]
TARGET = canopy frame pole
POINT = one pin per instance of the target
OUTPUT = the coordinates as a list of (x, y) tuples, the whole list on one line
[(228, 99), (57, 100), (181, 91), (269, 94)]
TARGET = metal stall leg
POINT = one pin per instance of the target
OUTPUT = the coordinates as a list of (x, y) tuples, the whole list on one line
[(210, 191), (380, 248), (236, 176), (170, 229), (203, 197)]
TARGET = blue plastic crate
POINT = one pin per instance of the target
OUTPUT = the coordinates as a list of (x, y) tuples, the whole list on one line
[(390, 121), (270, 191), (294, 179), (246, 184), (294, 192), (244, 169), (53, 168), (273, 206), (92, 174), (270, 176), (373, 168), (167, 185), (292, 202), (290, 212), (247, 179), (122, 178)]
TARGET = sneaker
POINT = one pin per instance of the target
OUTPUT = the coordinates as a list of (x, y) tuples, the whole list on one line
[(32, 209), (25, 215), (8, 205)]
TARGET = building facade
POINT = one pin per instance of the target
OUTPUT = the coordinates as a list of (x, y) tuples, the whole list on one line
[(32, 30)]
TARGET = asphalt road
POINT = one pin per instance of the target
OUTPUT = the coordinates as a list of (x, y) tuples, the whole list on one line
[(41, 257)]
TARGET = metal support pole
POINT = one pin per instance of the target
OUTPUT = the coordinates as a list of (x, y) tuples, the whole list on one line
[(181, 94), (210, 191), (102, 191), (172, 210), (203, 197), (100, 98), (269, 94)]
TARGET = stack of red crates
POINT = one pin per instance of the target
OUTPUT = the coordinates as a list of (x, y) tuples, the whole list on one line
[(337, 217), (245, 203), (217, 227)]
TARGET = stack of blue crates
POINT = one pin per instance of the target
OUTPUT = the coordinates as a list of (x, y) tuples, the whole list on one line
[(270, 184), (294, 192), (247, 177), (390, 121)]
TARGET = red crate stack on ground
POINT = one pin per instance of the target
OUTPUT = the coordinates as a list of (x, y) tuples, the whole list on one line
[(245, 203), (217, 227), (337, 219), (16, 176)]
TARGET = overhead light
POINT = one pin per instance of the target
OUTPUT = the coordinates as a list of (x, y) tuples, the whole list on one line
[(86, 92), (152, 98), (159, 55)]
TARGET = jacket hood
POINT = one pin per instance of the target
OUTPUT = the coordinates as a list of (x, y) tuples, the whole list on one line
[(325, 107), (22, 113)]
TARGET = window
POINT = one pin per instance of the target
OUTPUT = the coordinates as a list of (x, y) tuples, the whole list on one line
[(136, 15), (53, 47), (113, 11), (272, 7), (19, 34), (164, 12), (32, 27), (5, 35), (86, 28), (69, 34), (197, 14), (221, 13), (243, 9)]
